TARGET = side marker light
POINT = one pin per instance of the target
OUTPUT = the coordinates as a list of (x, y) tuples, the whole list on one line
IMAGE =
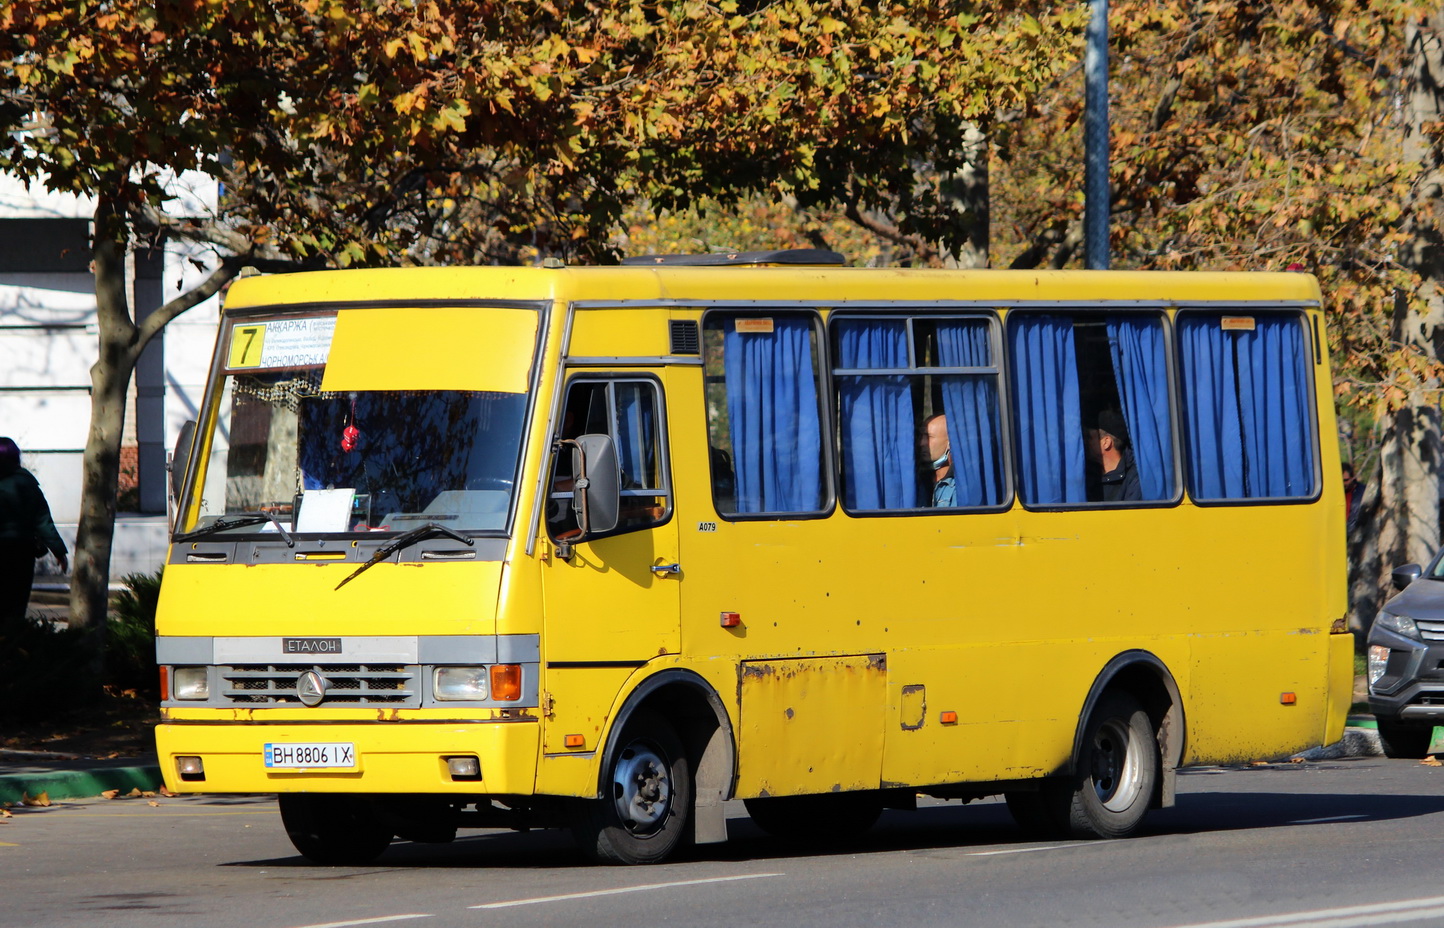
[(731, 619), (949, 717), (1288, 699), (575, 741)]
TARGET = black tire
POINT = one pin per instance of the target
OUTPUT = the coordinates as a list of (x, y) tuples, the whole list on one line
[(824, 817), (1399, 740), (1118, 769), (644, 814), (338, 831)]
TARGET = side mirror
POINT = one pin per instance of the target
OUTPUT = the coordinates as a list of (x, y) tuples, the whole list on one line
[(596, 495), (1403, 576), (180, 457)]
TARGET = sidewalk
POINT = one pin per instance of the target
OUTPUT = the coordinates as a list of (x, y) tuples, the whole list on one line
[(32, 773)]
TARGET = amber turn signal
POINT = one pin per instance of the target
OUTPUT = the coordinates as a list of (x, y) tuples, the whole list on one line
[(506, 682), (1288, 699)]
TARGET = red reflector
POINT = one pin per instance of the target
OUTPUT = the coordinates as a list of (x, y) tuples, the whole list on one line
[(731, 619), (1288, 699)]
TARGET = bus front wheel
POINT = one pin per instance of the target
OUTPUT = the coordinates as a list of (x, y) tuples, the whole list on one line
[(1118, 768), (643, 813), (334, 830)]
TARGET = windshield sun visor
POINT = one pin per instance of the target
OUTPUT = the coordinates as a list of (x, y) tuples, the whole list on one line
[(440, 348)]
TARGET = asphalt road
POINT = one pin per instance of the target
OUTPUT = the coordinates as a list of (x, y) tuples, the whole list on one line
[(1355, 842)]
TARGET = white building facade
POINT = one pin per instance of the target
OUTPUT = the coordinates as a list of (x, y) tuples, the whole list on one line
[(48, 342)]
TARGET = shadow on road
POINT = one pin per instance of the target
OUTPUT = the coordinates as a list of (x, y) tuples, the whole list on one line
[(982, 826)]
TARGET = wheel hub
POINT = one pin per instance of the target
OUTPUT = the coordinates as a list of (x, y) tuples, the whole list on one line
[(642, 789)]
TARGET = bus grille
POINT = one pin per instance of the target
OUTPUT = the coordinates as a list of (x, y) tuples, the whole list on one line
[(346, 684)]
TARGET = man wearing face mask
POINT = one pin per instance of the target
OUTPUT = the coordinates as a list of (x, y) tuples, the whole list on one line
[(939, 451)]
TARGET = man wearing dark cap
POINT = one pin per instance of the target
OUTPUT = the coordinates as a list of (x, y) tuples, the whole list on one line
[(26, 531), (1112, 476)]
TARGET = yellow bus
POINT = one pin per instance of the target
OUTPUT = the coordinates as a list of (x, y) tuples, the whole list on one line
[(603, 548)]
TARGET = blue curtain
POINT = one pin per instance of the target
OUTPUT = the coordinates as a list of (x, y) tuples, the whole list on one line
[(1050, 420), (1249, 414), (1141, 371), (636, 436), (970, 403), (877, 416), (773, 417)]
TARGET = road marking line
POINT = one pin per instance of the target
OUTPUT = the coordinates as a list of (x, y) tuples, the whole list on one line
[(1332, 818), (613, 892), (1379, 913), (1026, 850), (7, 844), (369, 921)]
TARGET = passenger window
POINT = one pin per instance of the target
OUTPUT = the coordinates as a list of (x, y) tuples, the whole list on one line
[(1091, 407), (918, 417), (1247, 396), (764, 420), (628, 411)]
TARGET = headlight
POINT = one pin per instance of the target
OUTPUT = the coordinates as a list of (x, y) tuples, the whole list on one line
[(1378, 659), (1398, 623), (191, 683), (460, 683)]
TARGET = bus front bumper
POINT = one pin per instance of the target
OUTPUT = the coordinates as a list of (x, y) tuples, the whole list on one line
[(375, 758)]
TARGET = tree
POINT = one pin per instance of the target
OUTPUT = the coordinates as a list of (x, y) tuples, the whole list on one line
[(389, 131)]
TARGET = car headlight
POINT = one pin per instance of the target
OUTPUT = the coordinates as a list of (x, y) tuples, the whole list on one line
[(1401, 624), (191, 683), (1378, 660), (460, 683)]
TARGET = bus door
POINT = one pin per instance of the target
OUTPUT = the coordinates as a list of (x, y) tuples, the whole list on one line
[(611, 605)]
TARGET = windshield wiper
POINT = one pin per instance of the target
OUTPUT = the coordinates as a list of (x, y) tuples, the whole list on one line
[(239, 519), (419, 533)]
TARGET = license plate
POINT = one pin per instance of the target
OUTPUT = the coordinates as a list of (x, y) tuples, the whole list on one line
[(310, 755)]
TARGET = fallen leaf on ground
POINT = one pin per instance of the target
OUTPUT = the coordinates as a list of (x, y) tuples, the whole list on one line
[(153, 804), (5, 813), (1258, 763), (147, 795), (134, 793), (110, 794), (166, 792), (28, 800), (1432, 761)]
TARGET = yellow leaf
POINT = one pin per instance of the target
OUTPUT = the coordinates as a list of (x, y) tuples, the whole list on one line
[(28, 800)]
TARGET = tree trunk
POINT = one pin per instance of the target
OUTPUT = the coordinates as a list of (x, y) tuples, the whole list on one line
[(966, 194), (110, 379), (1399, 520)]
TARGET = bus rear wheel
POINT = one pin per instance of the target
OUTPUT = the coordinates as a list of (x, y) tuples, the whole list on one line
[(643, 814), (824, 817), (339, 831), (1118, 768)]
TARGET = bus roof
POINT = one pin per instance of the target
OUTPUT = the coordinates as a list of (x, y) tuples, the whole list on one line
[(808, 284)]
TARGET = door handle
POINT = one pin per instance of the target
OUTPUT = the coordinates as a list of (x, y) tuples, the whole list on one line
[(662, 569)]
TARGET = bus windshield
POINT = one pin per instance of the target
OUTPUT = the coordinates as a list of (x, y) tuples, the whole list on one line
[(356, 461)]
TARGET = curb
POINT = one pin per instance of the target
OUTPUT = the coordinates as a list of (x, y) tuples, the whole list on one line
[(78, 784)]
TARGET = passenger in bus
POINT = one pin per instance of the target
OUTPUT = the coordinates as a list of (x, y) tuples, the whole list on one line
[(1112, 475), (939, 452)]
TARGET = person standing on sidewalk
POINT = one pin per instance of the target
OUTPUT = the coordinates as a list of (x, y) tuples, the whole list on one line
[(26, 532)]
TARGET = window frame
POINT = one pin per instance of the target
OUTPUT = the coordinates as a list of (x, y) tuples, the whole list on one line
[(1173, 374), (908, 315), (1312, 350), (610, 379), (826, 426)]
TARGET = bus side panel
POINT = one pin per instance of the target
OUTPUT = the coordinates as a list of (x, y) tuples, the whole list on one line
[(811, 726)]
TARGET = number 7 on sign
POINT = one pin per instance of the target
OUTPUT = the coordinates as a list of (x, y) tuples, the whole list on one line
[(246, 342)]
